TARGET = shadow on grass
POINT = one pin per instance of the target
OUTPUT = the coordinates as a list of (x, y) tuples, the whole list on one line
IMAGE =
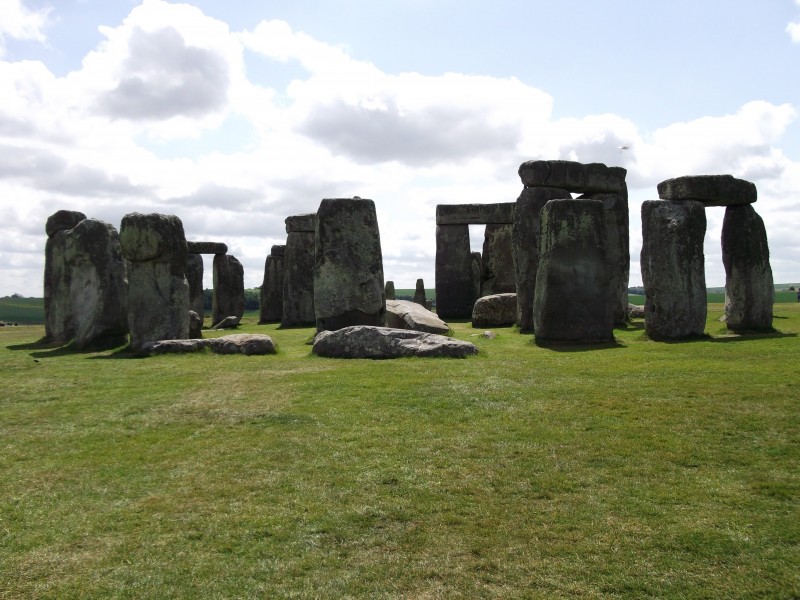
[(752, 336), (577, 347)]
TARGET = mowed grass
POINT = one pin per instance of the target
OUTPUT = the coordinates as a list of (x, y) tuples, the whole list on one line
[(640, 469)]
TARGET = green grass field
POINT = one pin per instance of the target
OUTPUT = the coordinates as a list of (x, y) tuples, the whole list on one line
[(639, 469)]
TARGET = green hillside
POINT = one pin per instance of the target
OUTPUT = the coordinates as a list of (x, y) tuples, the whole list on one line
[(25, 311)]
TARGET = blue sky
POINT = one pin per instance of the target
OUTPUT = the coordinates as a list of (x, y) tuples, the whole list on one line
[(234, 115)]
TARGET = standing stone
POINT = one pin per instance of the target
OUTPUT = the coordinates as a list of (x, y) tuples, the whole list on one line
[(571, 302), (419, 294), (98, 284), (298, 271), (228, 297), (618, 255), (389, 290), (348, 269), (673, 269), (58, 322), (158, 294), (271, 294), (194, 277), (749, 289), (525, 237), (497, 266), (476, 268), (455, 289)]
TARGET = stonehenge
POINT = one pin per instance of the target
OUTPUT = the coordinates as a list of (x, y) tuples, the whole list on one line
[(555, 262)]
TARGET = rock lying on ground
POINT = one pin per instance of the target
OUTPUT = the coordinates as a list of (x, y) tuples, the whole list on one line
[(238, 343), (366, 341), (495, 310), (229, 322), (402, 314), (635, 311)]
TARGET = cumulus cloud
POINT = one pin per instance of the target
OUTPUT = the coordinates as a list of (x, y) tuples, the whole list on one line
[(793, 28), (21, 23)]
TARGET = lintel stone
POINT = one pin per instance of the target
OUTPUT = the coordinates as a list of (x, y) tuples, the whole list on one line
[(206, 248), (475, 214), (710, 190), (301, 223), (576, 177)]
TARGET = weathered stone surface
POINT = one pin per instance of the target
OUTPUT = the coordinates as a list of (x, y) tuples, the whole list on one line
[(455, 288), (711, 190), (525, 236), (362, 341), (239, 343), (243, 343), (206, 248), (673, 271), (58, 323), (571, 302), (194, 277), (475, 214), (419, 293), (402, 314), (195, 325), (618, 255), (158, 294), (388, 290), (749, 289), (636, 311), (348, 270), (573, 176), (475, 268), (228, 296), (62, 220), (298, 280), (496, 310), (301, 223), (229, 322), (271, 293), (98, 284), (497, 263)]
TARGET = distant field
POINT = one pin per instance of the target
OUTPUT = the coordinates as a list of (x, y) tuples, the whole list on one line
[(29, 311)]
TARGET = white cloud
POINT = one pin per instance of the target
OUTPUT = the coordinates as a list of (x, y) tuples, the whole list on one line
[(793, 28), (20, 23), (168, 74)]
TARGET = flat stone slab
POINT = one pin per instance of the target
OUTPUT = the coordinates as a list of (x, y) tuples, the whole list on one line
[(301, 223), (576, 177), (711, 190), (207, 248), (250, 344), (403, 314), (495, 310), (475, 214), (365, 341)]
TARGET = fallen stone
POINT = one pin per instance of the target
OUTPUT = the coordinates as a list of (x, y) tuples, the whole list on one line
[(497, 310), (402, 314), (229, 322), (576, 177), (636, 311), (711, 190), (250, 344), (364, 341)]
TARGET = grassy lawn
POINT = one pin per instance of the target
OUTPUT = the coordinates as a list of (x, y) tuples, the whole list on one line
[(641, 469)]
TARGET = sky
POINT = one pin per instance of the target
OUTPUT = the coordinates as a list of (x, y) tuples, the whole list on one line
[(234, 115)]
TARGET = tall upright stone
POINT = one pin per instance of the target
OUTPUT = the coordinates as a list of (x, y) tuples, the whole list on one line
[(271, 294), (525, 238), (419, 293), (59, 324), (455, 293), (497, 265), (298, 271), (194, 277), (749, 289), (98, 284), (348, 270), (673, 270), (158, 293), (571, 302), (618, 255), (389, 290), (227, 299)]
